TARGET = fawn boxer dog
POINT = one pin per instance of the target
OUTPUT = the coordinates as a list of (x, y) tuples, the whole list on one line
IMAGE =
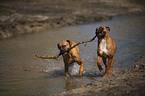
[(106, 49), (69, 57)]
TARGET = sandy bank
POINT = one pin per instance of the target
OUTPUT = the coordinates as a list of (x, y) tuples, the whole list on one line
[(130, 82), (19, 17)]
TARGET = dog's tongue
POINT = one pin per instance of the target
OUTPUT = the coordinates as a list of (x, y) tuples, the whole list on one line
[(64, 54)]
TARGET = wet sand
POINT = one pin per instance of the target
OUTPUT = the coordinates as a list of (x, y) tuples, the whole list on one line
[(19, 17), (130, 82)]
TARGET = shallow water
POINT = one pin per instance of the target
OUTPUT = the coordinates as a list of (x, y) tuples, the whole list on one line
[(23, 74)]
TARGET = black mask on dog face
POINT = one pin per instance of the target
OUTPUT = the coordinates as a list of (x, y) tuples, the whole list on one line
[(100, 33)]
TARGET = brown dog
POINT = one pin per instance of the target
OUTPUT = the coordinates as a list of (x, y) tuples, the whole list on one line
[(106, 48), (71, 56)]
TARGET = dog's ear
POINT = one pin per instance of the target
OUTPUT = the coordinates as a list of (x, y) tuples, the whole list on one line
[(58, 46), (108, 28), (69, 42), (96, 29)]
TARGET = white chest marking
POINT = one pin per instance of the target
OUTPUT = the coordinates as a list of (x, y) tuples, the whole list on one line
[(103, 47)]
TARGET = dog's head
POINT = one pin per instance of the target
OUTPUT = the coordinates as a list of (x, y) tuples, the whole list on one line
[(102, 31), (63, 46)]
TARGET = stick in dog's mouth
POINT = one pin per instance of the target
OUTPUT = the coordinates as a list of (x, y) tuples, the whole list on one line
[(63, 53)]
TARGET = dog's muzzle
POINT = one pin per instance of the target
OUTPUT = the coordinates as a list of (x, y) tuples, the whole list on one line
[(100, 34), (63, 53)]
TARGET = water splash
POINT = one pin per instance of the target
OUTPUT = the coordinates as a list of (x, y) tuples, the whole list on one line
[(74, 69)]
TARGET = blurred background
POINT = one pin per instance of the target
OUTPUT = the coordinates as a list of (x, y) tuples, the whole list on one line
[(29, 16)]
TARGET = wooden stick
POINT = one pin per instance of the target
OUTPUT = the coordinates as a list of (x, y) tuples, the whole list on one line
[(56, 57), (48, 57), (82, 43)]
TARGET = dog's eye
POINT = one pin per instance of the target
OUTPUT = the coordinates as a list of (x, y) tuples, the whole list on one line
[(63, 46), (96, 29), (104, 32), (101, 28)]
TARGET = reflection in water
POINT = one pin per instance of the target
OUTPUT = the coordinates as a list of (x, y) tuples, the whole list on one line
[(72, 83), (23, 74)]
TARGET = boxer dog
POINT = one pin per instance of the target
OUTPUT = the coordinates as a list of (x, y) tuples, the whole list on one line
[(106, 49), (69, 57)]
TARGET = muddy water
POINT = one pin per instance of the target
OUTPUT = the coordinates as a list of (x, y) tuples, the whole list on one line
[(23, 74)]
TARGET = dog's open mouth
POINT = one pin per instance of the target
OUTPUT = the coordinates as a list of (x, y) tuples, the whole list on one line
[(101, 35), (65, 53)]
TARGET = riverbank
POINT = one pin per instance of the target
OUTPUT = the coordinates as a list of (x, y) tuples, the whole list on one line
[(130, 82), (19, 17)]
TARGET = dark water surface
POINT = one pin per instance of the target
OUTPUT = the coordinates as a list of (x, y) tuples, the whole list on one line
[(21, 74)]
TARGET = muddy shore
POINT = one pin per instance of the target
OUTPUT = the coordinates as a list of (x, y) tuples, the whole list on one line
[(130, 82), (18, 17)]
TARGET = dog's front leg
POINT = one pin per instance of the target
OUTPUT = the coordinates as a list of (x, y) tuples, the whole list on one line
[(66, 69), (108, 66), (98, 63), (104, 61)]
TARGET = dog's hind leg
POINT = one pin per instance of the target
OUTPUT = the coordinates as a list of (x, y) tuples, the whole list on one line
[(111, 66), (81, 66), (66, 69)]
